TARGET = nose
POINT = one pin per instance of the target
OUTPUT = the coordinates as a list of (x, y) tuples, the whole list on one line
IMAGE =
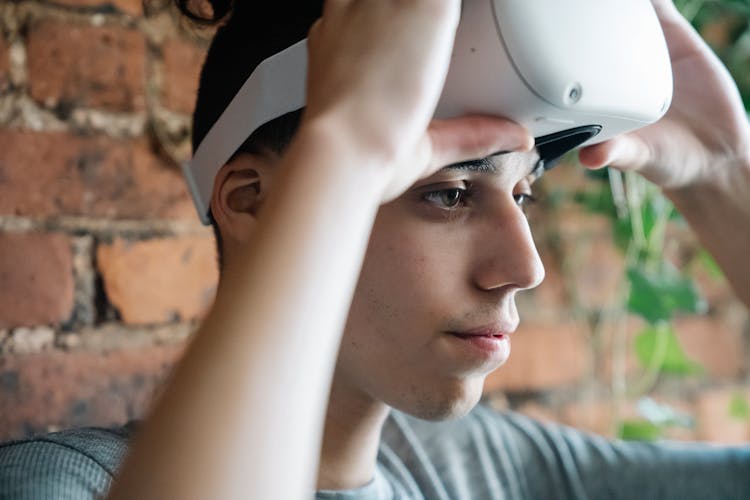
[(507, 256)]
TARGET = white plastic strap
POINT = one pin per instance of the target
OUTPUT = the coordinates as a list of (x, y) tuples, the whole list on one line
[(276, 87)]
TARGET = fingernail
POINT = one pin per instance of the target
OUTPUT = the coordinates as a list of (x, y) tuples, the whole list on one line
[(527, 145)]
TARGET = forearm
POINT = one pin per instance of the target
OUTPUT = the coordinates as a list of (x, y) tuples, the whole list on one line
[(243, 414), (718, 211)]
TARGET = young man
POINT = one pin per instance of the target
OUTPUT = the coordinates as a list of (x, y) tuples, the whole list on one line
[(367, 259)]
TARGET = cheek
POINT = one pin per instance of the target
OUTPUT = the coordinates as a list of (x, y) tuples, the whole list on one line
[(410, 277)]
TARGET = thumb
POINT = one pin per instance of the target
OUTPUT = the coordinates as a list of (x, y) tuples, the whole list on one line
[(459, 139), (473, 137), (626, 152)]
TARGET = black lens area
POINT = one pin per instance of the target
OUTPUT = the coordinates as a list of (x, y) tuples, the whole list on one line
[(552, 147)]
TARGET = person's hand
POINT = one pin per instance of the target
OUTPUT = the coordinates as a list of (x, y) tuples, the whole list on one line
[(376, 71), (706, 132)]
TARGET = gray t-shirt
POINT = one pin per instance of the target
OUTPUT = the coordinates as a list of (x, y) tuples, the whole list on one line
[(485, 455)]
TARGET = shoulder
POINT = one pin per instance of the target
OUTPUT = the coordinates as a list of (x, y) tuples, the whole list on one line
[(72, 464), (504, 454)]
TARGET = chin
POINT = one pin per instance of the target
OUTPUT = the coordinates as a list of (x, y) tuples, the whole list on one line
[(441, 403)]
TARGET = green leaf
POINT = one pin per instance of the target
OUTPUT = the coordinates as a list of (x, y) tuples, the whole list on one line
[(623, 233), (600, 174), (710, 265), (639, 430), (597, 201), (657, 347), (650, 211), (657, 296), (738, 407)]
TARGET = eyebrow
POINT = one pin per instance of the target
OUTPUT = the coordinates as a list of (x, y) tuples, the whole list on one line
[(483, 165), (487, 166)]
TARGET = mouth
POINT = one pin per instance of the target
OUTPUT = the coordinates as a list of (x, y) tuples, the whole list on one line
[(468, 336), (491, 346), (496, 330)]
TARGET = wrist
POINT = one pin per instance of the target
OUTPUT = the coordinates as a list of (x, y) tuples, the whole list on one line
[(726, 189), (325, 145), (718, 210), (376, 146)]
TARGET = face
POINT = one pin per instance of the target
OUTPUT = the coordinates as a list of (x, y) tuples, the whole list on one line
[(434, 308)]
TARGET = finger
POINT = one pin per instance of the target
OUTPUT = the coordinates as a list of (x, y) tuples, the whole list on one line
[(473, 137), (665, 8), (312, 34), (682, 39), (627, 152), (331, 7)]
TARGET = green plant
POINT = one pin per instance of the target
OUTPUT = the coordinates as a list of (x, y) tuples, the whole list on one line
[(725, 25), (653, 288)]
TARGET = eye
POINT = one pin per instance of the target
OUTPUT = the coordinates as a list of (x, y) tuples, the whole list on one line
[(446, 198), (523, 200)]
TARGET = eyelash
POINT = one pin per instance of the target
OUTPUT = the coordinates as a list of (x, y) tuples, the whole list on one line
[(523, 200)]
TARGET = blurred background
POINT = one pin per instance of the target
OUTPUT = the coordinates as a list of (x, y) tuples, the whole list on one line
[(105, 269)]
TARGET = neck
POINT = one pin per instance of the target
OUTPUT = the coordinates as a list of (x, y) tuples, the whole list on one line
[(351, 438)]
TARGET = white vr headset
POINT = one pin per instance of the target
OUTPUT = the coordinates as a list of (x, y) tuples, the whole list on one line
[(574, 72)]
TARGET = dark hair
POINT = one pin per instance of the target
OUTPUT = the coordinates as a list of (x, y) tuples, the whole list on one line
[(250, 32)]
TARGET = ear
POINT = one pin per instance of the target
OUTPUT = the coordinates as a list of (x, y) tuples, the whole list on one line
[(239, 190)]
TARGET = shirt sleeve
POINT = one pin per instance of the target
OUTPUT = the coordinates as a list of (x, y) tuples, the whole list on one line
[(73, 465), (489, 454), (562, 462)]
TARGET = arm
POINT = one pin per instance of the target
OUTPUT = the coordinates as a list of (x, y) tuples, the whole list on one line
[(719, 213), (699, 153), (581, 465), (242, 415)]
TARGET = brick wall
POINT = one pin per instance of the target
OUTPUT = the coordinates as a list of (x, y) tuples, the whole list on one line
[(105, 270)]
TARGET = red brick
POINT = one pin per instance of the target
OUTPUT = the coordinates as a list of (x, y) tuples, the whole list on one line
[(4, 63), (613, 331), (54, 173), (714, 289), (36, 279), (182, 65), (684, 405), (569, 219), (90, 66), (574, 224), (597, 272), (58, 389), (158, 281), (714, 344), (714, 422), (568, 176), (544, 356), (592, 416), (132, 7), (547, 302)]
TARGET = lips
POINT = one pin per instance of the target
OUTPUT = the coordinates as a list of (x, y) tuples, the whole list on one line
[(487, 336), (486, 344), (489, 331)]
